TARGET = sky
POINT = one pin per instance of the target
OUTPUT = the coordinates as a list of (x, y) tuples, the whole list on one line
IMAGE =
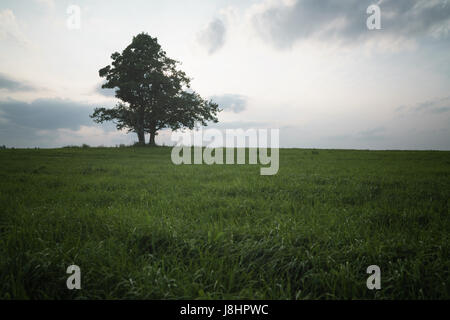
[(310, 68)]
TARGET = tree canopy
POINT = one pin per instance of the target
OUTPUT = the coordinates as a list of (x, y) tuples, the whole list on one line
[(154, 93)]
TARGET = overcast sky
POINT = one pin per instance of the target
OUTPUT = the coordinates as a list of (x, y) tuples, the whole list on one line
[(311, 68)]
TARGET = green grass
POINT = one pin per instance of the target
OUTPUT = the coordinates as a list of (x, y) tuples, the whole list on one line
[(140, 227)]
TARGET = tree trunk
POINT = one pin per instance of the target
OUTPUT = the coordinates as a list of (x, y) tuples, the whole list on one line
[(141, 137), (152, 142), (140, 127)]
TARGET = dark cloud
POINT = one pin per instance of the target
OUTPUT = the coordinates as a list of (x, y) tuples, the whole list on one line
[(12, 135), (424, 105), (213, 37), (36, 124), (6, 82), (345, 21), (46, 114), (441, 109), (231, 102), (435, 106)]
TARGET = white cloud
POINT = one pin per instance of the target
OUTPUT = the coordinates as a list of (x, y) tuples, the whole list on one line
[(10, 28), (48, 3)]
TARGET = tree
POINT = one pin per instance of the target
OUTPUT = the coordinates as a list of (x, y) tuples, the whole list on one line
[(154, 93)]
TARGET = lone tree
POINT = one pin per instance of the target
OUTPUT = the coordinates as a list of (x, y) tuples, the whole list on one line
[(154, 93)]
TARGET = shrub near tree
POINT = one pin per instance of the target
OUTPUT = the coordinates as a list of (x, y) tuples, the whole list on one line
[(154, 94)]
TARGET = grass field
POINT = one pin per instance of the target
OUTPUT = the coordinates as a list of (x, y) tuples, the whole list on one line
[(140, 227)]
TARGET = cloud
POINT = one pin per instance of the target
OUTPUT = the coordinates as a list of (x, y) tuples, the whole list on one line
[(213, 36), (54, 123), (231, 102), (239, 125), (92, 135), (6, 82), (106, 92), (10, 29), (372, 134), (46, 113), (436, 106), (47, 3), (285, 23), (441, 109)]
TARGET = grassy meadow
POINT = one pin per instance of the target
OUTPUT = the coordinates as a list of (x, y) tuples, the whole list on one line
[(141, 227)]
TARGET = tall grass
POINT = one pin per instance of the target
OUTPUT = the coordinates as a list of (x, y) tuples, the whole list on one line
[(140, 227)]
